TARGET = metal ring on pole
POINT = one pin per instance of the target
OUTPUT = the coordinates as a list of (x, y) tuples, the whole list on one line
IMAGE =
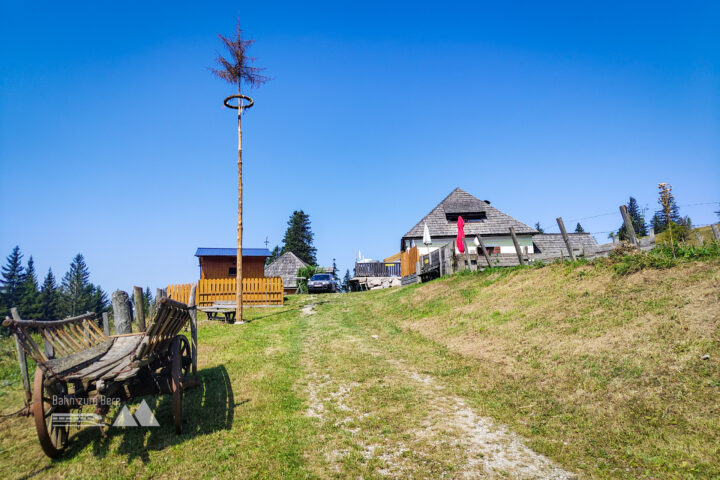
[(240, 99)]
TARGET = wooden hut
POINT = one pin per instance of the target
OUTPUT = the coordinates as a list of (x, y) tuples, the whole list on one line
[(286, 267), (222, 262)]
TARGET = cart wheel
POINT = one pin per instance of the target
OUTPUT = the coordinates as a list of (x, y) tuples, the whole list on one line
[(185, 355), (53, 439), (176, 378)]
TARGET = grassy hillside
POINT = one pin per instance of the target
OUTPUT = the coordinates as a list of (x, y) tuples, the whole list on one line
[(607, 370), (603, 372)]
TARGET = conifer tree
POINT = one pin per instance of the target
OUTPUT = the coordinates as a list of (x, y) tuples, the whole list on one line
[(11, 283), (49, 301), (579, 228), (299, 238), (76, 291), (335, 271), (346, 280), (276, 252), (539, 228), (98, 300), (636, 218), (29, 300), (147, 300)]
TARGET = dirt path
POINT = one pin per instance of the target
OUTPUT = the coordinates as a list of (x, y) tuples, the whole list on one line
[(380, 416)]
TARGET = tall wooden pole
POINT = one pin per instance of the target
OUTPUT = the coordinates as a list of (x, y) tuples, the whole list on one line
[(238, 278)]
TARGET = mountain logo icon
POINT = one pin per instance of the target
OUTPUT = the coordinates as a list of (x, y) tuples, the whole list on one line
[(143, 417)]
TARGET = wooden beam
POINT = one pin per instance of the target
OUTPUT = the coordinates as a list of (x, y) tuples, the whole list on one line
[(22, 360), (566, 238), (139, 308), (517, 246), (716, 232), (699, 238), (479, 243), (629, 229), (193, 328)]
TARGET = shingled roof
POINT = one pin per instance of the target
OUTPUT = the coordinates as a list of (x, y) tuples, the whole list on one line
[(459, 202), (286, 266)]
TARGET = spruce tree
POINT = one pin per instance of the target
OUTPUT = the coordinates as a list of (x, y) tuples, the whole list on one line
[(539, 228), (97, 301), (346, 280), (147, 300), (29, 301), (49, 302), (636, 218), (299, 238), (76, 290), (335, 271), (579, 228), (11, 284), (276, 252)]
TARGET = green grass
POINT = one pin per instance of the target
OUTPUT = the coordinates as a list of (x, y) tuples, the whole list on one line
[(597, 367)]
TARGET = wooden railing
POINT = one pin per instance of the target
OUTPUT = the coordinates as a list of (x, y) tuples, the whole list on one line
[(256, 291), (408, 262), (377, 269)]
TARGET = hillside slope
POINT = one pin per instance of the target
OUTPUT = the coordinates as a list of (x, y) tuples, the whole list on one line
[(608, 374)]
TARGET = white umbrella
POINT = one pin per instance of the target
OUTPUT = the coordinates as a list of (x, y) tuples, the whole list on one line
[(426, 235)]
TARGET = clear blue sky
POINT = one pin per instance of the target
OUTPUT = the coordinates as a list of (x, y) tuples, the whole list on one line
[(114, 141)]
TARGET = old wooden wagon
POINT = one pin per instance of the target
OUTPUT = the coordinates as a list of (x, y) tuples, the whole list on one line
[(79, 365)]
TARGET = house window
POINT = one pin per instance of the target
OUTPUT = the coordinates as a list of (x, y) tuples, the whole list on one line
[(232, 271), (468, 217)]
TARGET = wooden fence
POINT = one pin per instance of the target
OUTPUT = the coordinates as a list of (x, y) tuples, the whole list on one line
[(377, 269), (408, 262), (256, 291)]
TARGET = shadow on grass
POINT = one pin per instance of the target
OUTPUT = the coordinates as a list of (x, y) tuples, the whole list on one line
[(206, 409)]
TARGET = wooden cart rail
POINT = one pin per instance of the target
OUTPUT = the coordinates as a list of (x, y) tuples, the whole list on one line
[(62, 338)]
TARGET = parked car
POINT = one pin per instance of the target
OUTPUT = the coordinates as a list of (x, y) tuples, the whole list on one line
[(322, 283)]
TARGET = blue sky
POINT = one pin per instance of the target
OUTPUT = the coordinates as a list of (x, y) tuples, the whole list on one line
[(114, 141)]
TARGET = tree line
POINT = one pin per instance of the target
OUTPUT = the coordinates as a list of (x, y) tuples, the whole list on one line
[(74, 295)]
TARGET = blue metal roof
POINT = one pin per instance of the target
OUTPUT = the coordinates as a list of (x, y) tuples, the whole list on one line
[(231, 252)]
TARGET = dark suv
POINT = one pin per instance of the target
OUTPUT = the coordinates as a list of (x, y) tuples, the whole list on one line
[(322, 282)]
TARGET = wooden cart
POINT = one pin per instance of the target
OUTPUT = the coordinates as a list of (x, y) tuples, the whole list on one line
[(80, 365)]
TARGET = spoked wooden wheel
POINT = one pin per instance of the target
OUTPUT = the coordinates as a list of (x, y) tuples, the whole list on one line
[(176, 374), (46, 402)]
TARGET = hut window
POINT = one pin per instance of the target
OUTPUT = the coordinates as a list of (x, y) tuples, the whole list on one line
[(232, 271)]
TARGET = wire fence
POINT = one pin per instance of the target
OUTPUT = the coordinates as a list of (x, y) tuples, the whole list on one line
[(552, 227)]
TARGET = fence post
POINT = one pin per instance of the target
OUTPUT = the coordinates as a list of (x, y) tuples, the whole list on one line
[(699, 238), (517, 246), (479, 243), (122, 312), (716, 232), (629, 229), (139, 308), (467, 256), (22, 360), (106, 323), (566, 238), (193, 328)]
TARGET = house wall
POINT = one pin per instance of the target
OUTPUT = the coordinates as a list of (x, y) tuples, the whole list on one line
[(504, 242), (219, 267)]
